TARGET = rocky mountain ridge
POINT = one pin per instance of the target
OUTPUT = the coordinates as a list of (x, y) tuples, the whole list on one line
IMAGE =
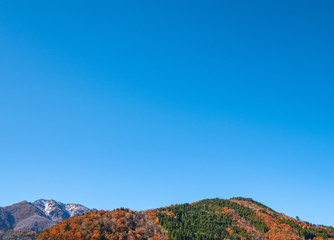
[(38, 215), (58, 211)]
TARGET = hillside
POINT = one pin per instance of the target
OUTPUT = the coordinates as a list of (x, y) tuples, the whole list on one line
[(117, 224), (236, 218), (17, 234)]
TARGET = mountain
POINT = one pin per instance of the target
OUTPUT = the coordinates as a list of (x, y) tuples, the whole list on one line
[(234, 219), (27, 216), (6, 220), (58, 211), (38, 215)]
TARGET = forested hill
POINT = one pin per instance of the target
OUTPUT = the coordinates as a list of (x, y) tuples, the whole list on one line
[(236, 218)]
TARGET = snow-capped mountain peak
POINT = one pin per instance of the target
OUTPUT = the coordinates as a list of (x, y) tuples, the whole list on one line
[(58, 211)]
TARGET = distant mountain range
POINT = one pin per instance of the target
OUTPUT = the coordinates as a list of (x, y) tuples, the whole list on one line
[(38, 215)]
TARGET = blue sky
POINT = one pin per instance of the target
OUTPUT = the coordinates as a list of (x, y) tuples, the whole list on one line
[(144, 104)]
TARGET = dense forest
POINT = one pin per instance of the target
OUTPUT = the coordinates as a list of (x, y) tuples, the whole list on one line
[(104, 225), (236, 218)]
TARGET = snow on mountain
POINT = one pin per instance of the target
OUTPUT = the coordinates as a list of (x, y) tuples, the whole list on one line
[(76, 209), (58, 211), (38, 215)]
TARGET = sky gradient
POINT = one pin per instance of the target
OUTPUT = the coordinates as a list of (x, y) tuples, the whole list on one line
[(143, 104)]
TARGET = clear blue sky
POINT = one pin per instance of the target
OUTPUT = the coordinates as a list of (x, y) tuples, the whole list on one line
[(144, 104)]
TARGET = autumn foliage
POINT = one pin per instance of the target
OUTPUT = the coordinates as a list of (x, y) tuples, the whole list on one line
[(281, 226), (18, 234), (104, 225), (234, 219)]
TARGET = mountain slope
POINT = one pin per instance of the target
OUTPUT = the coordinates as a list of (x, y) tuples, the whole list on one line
[(27, 216), (17, 234), (58, 211), (236, 218), (6, 220), (37, 216)]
